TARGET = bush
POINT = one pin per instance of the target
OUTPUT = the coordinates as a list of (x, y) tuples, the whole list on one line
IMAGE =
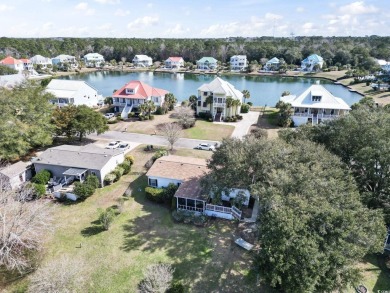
[(126, 166), (83, 190), (151, 117), (161, 110), (39, 190), (93, 181), (204, 115), (159, 154), (130, 115), (108, 101), (130, 159), (109, 178), (169, 192), (245, 108), (250, 104), (42, 177), (118, 171), (177, 287), (259, 133), (155, 194), (106, 217), (239, 117)]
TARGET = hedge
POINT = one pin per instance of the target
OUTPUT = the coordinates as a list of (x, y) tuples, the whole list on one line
[(155, 194), (42, 177), (126, 166)]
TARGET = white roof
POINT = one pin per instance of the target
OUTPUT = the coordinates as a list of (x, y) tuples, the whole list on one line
[(328, 101), (65, 57), (93, 56), (381, 62), (142, 57), (40, 58), (65, 88), (220, 86), (273, 61)]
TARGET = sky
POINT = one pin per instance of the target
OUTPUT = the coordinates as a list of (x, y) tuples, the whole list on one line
[(193, 18)]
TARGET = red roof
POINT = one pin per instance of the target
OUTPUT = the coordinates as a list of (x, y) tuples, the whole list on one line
[(143, 91), (25, 60), (10, 61), (175, 59)]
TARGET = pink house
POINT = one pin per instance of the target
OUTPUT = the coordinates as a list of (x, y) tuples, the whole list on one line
[(174, 62)]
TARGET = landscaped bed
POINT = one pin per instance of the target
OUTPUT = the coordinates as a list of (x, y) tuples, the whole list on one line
[(205, 259)]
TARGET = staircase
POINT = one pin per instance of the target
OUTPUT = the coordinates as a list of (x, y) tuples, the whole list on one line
[(218, 117), (126, 110)]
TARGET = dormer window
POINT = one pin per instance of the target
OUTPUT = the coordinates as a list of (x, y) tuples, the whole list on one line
[(316, 98)]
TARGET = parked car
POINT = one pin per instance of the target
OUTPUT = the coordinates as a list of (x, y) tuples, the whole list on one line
[(123, 146), (205, 146), (109, 115), (113, 144)]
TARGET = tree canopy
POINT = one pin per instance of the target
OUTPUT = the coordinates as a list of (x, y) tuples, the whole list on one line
[(313, 227), (24, 120)]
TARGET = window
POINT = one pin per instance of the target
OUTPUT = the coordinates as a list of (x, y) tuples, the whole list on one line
[(205, 93), (199, 103), (316, 98), (153, 182), (204, 104)]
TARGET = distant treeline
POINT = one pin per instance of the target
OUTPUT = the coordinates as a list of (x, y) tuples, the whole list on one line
[(334, 50)]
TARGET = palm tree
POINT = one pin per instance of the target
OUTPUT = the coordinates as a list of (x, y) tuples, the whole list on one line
[(149, 107), (246, 94), (209, 100), (193, 99), (236, 104), (229, 104)]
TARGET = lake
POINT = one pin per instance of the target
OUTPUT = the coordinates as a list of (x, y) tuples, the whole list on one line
[(264, 90)]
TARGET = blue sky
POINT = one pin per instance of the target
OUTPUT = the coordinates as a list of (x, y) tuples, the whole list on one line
[(195, 18)]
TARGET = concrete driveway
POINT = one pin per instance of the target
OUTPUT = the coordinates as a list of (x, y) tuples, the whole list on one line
[(242, 127)]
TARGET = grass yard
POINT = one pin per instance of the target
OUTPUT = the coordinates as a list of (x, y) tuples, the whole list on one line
[(202, 129), (376, 276), (205, 259)]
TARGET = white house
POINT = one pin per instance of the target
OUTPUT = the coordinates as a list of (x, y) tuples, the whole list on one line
[(272, 64), (238, 63), (62, 59), (384, 64), (310, 62), (93, 60), (315, 105), (186, 172), (135, 93), (220, 108), (27, 65), (13, 63), (142, 61), (207, 63), (73, 92), (174, 62), (41, 61), (13, 176), (77, 162)]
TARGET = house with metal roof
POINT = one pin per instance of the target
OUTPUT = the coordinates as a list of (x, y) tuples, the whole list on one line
[(226, 99), (207, 63), (93, 60), (15, 175), (272, 64), (186, 173), (174, 62), (310, 63), (41, 61), (238, 63), (73, 92), (315, 105), (77, 162), (135, 93), (62, 59), (142, 61)]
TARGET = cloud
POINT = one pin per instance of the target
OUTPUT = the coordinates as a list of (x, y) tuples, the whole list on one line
[(143, 21), (81, 6), (108, 1), (105, 27), (300, 9), (5, 7), (121, 12), (272, 16), (177, 30), (358, 8)]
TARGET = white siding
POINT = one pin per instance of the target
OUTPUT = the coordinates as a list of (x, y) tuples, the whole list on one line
[(164, 182)]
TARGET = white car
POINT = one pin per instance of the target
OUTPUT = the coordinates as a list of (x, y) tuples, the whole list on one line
[(109, 115), (113, 144), (123, 146), (205, 146)]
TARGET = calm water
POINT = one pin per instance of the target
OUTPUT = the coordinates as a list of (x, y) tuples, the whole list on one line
[(265, 90)]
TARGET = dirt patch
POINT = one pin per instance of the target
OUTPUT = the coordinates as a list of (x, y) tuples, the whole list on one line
[(263, 123)]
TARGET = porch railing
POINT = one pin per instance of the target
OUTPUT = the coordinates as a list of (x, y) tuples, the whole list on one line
[(220, 209), (184, 207)]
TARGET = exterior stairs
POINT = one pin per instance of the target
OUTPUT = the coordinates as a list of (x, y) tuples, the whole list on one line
[(126, 110)]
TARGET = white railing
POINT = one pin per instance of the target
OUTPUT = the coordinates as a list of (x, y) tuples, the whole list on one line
[(184, 207), (236, 212), (303, 115), (220, 209)]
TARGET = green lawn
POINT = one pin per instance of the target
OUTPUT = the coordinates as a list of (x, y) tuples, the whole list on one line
[(376, 276), (271, 115), (209, 131), (205, 259)]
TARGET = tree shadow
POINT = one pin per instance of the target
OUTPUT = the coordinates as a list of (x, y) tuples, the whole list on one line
[(383, 281), (92, 230)]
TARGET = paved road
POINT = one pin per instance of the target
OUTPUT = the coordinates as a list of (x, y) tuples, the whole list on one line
[(148, 139)]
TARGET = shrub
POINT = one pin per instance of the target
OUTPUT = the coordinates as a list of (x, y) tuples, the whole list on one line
[(177, 287), (151, 117), (155, 194), (118, 171), (204, 115), (210, 119), (239, 117), (130, 159), (39, 190), (126, 166), (250, 104), (159, 154), (259, 133), (157, 278), (42, 177), (108, 101), (161, 110), (109, 178), (245, 108), (93, 181), (106, 217), (83, 190), (130, 115), (170, 191)]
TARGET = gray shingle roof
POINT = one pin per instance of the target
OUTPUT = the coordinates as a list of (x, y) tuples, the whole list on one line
[(14, 169)]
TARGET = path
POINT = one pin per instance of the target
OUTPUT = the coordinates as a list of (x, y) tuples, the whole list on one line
[(242, 127)]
